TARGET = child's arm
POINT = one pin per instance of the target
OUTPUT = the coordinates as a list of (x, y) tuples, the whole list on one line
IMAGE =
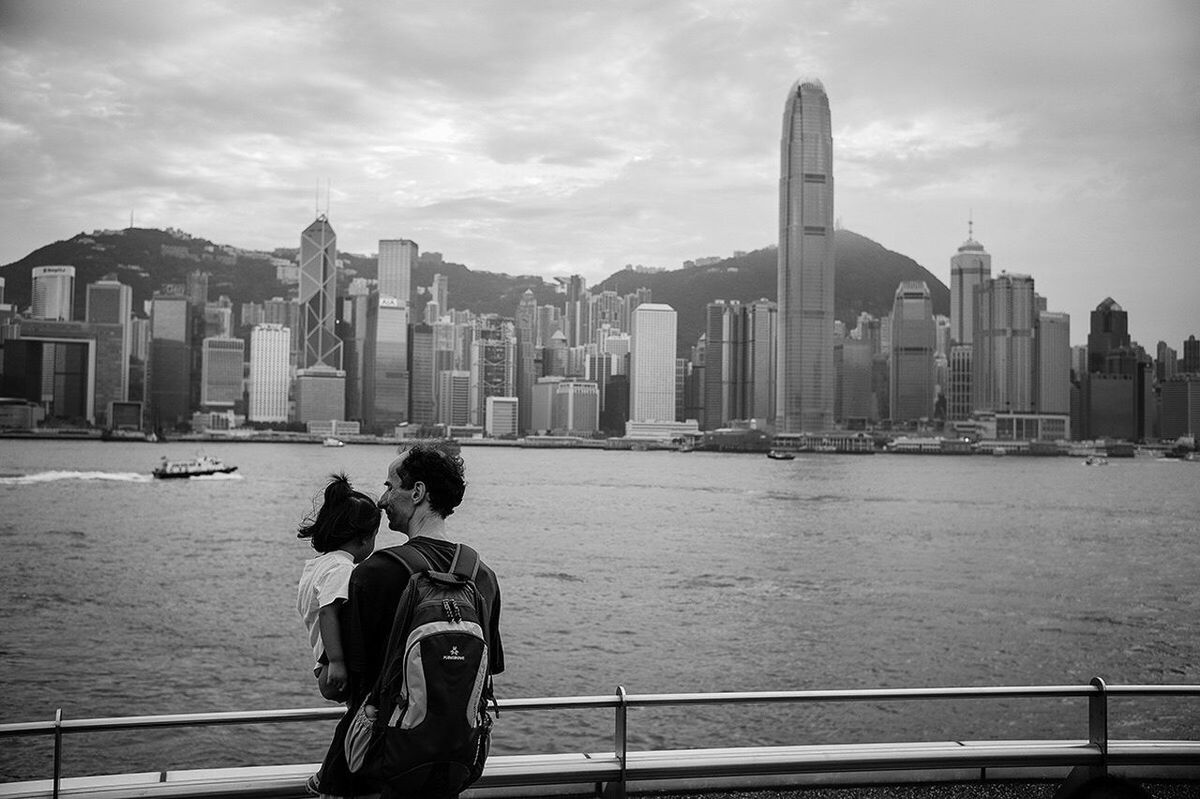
[(331, 637)]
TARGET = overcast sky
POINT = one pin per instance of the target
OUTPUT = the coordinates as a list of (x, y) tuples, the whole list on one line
[(560, 137)]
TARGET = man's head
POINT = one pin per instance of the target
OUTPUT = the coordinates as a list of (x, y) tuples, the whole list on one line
[(424, 479)]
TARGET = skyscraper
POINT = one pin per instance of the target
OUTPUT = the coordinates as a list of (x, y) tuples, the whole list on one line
[(805, 383), (111, 302), (270, 346), (1109, 331), (396, 259), (1003, 379), (320, 345), (1054, 362), (54, 292), (652, 363), (970, 268), (385, 364), (222, 366), (914, 337)]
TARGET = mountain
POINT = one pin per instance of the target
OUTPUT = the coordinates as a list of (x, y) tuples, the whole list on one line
[(866, 278)]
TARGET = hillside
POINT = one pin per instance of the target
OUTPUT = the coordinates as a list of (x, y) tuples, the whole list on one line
[(866, 280)]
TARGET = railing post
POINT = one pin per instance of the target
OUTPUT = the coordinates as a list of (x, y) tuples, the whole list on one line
[(621, 739), (57, 750), (1098, 721)]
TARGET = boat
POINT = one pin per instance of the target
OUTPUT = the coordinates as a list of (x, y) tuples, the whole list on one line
[(200, 466), (333, 442), (1093, 460), (780, 455)]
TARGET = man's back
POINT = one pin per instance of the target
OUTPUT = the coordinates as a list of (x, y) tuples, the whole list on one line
[(375, 590)]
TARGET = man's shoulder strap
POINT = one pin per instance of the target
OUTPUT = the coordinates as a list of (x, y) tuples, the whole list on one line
[(408, 556), (465, 563)]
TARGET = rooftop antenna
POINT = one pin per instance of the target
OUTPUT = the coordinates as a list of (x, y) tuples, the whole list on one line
[(328, 192), (970, 223), (317, 198)]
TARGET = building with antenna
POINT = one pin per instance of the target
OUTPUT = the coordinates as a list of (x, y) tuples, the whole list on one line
[(320, 380)]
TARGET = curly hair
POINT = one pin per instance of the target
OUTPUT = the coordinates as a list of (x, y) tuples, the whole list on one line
[(440, 470), (346, 515)]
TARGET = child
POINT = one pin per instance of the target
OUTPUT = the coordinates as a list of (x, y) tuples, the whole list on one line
[(344, 532)]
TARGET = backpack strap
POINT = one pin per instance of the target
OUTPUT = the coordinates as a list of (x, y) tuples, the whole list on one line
[(411, 557), (465, 563)]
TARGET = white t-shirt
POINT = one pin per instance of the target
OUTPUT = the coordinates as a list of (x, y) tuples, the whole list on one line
[(325, 579)]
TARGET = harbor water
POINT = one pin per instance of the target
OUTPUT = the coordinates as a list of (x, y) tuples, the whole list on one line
[(659, 571)]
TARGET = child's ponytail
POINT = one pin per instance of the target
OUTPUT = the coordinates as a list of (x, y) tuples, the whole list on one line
[(346, 515)]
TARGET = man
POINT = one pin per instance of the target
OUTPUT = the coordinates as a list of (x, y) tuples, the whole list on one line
[(422, 488)]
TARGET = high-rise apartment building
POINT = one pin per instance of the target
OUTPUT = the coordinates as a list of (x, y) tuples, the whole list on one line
[(222, 368), (805, 383), (652, 363), (318, 297), (270, 373), (914, 339), (54, 292), (396, 260), (970, 268)]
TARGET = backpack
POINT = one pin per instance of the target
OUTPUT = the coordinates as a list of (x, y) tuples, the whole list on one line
[(431, 729)]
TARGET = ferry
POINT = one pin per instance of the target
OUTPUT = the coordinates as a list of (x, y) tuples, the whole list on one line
[(200, 466), (781, 455)]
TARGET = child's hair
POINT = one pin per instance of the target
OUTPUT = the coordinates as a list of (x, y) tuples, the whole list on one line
[(347, 515)]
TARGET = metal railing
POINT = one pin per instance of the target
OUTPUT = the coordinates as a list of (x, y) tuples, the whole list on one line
[(1097, 692)]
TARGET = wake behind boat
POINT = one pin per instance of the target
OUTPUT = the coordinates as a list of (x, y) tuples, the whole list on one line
[(200, 466)]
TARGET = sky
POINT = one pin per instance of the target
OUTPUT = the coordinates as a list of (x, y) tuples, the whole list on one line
[(553, 138)]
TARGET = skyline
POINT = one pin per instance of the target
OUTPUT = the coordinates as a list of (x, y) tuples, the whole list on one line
[(537, 139)]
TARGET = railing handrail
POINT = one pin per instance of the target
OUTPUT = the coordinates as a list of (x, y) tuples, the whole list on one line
[(217, 718)]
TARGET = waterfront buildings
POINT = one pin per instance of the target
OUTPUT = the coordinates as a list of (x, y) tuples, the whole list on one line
[(970, 268), (739, 363), (501, 415), (805, 382), (652, 363), (1003, 379), (1180, 407), (110, 302), (54, 293), (385, 384), (1053, 363), (170, 367), (270, 372)]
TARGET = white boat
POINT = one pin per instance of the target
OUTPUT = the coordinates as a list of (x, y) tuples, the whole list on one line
[(200, 466), (333, 442), (780, 455)]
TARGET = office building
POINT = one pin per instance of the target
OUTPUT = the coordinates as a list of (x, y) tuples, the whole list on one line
[(396, 260), (441, 292), (270, 373), (492, 364), (1180, 407), (454, 397), (970, 268), (71, 369), (421, 409), (541, 416), (914, 339), (501, 414), (222, 369), (320, 345), (527, 355), (1166, 362), (54, 293), (1003, 379), (352, 330), (385, 365), (170, 368), (805, 383), (1053, 363), (652, 363), (1191, 355), (576, 410), (110, 302), (1109, 332)]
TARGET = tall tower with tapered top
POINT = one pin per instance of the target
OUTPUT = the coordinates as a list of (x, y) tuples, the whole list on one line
[(805, 378)]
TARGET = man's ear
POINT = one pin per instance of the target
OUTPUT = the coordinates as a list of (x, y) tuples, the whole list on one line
[(418, 492)]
